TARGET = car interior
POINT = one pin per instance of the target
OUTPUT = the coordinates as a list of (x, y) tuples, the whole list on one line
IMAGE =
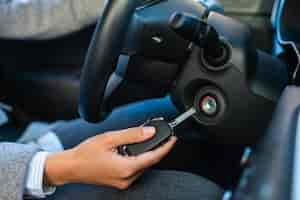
[(235, 61)]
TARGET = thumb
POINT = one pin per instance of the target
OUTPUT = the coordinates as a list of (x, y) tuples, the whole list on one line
[(130, 136)]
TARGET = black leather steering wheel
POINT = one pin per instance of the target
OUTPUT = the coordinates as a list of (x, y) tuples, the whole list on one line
[(102, 56)]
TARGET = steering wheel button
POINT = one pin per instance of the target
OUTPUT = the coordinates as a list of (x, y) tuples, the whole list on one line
[(209, 105)]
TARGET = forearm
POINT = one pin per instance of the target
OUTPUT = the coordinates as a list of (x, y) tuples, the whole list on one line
[(42, 19), (14, 161), (64, 174), (34, 184)]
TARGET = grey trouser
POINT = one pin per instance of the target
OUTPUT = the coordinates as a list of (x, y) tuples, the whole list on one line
[(154, 185)]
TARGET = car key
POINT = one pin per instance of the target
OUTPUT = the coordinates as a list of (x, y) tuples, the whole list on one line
[(164, 131)]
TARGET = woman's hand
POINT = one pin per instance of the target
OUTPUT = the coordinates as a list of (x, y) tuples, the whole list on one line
[(96, 161)]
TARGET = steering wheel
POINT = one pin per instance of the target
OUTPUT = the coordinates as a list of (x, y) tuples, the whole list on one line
[(234, 93), (103, 55)]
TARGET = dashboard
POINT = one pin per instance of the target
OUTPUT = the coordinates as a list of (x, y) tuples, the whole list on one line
[(248, 6), (146, 3), (234, 6)]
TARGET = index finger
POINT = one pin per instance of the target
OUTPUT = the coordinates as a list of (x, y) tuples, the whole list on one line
[(130, 136)]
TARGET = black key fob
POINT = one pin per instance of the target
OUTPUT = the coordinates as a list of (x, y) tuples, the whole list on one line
[(163, 133)]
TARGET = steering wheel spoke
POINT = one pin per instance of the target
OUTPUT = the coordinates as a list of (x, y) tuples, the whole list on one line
[(117, 76)]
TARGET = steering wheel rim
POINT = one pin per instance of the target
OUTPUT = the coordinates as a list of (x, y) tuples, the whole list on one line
[(102, 56)]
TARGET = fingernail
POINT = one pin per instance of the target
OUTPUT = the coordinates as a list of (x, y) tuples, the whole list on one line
[(148, 131), (175, 138)]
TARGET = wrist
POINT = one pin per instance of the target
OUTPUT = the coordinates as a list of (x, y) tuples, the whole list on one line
[(59, 168)]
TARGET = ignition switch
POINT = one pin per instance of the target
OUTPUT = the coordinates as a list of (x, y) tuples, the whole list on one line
[(209, 105)]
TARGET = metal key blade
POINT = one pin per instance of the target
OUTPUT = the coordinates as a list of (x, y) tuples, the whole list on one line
[(181, 118)]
